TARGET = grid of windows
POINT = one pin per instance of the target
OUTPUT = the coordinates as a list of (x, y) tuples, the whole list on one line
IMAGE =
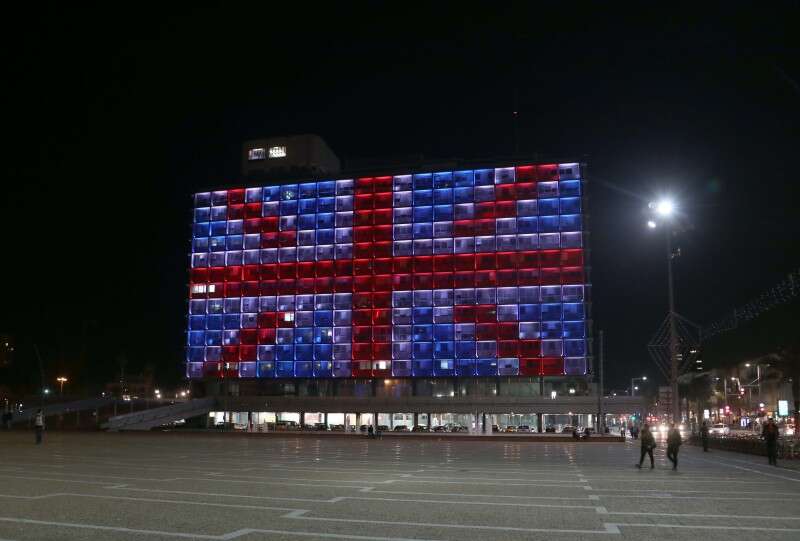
[(462, 273)]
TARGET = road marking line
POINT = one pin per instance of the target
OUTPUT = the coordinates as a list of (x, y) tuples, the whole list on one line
[(465, 495), (606, 530), (698, 515), (151, 500), (224, 537), (107, 528), (226, 495), (297, 513), (451, 502), (215, 480), (751, 470), (702, 527)]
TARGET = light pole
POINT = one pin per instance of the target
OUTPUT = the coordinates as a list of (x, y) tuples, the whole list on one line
[(665, 209), (61, 381), (633, 387)]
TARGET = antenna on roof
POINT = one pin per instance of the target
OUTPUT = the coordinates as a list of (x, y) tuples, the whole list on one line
[(515, 120)]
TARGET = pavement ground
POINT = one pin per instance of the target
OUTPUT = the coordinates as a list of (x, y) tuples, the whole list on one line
[(167, 486)]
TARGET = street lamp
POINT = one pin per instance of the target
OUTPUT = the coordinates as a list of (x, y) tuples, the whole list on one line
[(665, 209), (634, 387), (61, 380)]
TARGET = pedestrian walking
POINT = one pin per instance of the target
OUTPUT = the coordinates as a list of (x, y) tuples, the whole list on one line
[(648, 444), (770, 436), (704, 436), (7, 417), (38, 425), (674, 441)]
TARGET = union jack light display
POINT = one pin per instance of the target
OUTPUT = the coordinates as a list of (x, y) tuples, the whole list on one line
[(458, 273)]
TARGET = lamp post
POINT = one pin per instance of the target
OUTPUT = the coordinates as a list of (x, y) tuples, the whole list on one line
[(61, 381), (633, 386), (665, 209)]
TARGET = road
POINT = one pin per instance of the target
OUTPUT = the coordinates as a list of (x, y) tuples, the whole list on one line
[(153, 486)]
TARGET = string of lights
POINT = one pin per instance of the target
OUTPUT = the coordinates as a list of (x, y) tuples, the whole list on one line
[(785, 291)]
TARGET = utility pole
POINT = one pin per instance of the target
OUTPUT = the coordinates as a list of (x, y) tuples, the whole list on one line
[(600, 416), (41, 374), (673, 335)]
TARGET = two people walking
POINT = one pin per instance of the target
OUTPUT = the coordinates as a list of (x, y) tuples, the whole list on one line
[(674, 441)]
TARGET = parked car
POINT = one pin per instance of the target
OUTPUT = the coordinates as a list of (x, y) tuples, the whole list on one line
[(511, 429), (719, 429), (550, 428), (337, 428), (440, 428), (459, 428), (523, 428), (400, 428), (420, 428), (320, 426), (362, 428), (383, 428), (495, 428), (567, 429)]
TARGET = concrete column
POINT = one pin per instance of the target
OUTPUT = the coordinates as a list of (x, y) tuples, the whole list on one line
[(416, 420), (539, 421), (302, 418), (325, 418), (483, 423), (375, 420), (429, 420)]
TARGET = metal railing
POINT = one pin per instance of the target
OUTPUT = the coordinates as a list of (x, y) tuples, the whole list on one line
[(144, 420), (61, 408)]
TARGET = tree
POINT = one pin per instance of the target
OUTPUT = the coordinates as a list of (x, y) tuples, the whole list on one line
[(697, 390), (787, 360)]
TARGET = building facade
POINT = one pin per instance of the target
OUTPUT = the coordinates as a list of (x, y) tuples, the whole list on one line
[(463, 285)]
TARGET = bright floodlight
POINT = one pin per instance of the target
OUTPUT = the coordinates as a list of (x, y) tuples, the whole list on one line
[(664, 207), (651, 224), (644, 378)]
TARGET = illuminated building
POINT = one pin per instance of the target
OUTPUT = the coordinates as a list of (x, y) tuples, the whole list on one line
[(475, 277)]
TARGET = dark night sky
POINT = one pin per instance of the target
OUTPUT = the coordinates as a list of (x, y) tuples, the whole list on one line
[(112, 118)]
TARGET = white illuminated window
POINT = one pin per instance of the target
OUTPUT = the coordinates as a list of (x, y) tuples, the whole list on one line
[(276, 152), (288, 316), (257, 154), (201, 288)]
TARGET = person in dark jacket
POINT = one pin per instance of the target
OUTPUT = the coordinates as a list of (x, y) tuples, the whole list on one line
[(648, 444), (38, 425), (770, 436), (673, 444), (704, 436)]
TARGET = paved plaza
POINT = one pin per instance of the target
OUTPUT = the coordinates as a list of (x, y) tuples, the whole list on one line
[(96, 486)]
